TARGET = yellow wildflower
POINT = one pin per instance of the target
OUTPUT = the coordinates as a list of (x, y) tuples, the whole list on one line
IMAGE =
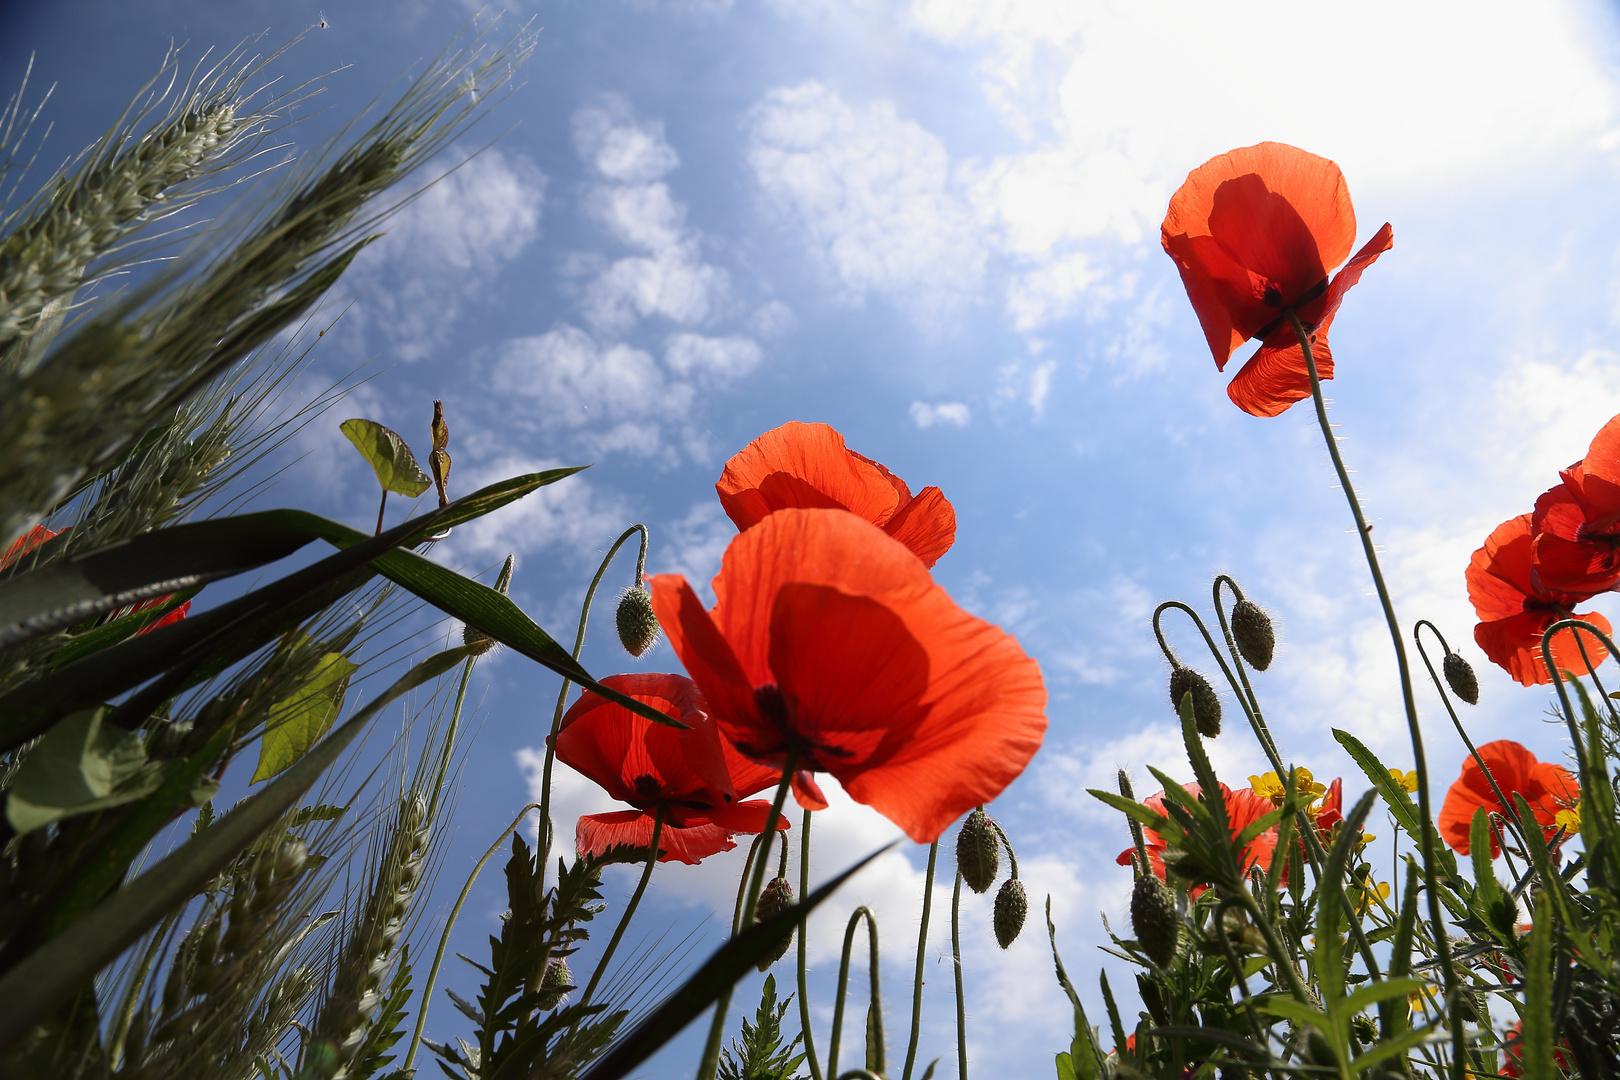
[(1364, 899), (1568, 819), (1268, 786), (1407, 780)]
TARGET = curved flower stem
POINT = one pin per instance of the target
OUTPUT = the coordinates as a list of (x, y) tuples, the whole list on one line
[(562, 695), (742, 884), (874, 1005), (1420, 764), (756, 881), (1231, 646), (1237, 969), (1445, 699), (804, 980), (922, 946), (1575, 626), (1256, 722), (956, 963), (630, 909), (444, 939)]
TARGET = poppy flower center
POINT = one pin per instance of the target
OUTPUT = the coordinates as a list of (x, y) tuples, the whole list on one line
[(773, 707), (648, 787)]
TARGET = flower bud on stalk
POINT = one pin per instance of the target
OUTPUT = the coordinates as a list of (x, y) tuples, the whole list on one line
[(1206, 705), (638, 626), (1154, 919), (777, 897), (978, 852), (1011, 907), (1252, 633), (556, 982), (1460, 677)]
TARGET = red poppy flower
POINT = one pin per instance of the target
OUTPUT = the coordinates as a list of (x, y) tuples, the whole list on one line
[(1243, 808), (1254, 233), (1514, 613), (1331, 812), (808, 465), (694, 775), (1576, 525), (831, 639), (1548, 788), (25, 543), (1513, 1055), (158, 601)]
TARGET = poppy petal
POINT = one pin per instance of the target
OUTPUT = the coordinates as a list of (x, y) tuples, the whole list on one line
[(807, 793), (925, 524), (803, 466), (596, 833), (705, 652), (746, 817), (1275, 376)]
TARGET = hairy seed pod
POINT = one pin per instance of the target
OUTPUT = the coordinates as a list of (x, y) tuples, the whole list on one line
[(638, 626), (777, 897), (978, 852), (1459, 675), (1154, 919), (1206, 705), (1011, 907), (557, 981), (1253, 635)]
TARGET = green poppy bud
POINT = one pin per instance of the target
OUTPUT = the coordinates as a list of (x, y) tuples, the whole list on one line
[(1460, 677), (638, 626), (1206, 705), (558, 981), (1011, 907), (1154, 919), (978, 852), (777, 897), (1252, 632)]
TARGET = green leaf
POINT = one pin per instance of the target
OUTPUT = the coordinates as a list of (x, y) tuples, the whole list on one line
[(1400, 804), (1390, 1047), (1537, 1052), (390, 458), (297, 722), (1331, 905), (728, 964), (1289, 1009), (1383, 990), (1065, 1066), (1146, 815), (53, 973), (80, 765), (120, 629), (1202, 769)]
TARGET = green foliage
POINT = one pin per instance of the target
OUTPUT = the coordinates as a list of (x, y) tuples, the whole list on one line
[(389, 456), (296, 722), (759, 1051)]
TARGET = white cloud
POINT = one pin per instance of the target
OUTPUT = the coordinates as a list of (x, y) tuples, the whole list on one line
[(945, 413), (612, 140), (569, 515), (446, 247), (694, 546), (873, 195), (720, 358), (773, 319)]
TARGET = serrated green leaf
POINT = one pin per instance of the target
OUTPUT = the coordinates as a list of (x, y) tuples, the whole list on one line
[(1289, 1009), (1537, 1051), (80, 765), (1400, 804), (391, 459), (1379, 991), (297, 722)]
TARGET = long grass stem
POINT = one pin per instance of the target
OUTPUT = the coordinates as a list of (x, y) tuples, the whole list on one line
[(1408, 699), (922, 953), (956, 964)]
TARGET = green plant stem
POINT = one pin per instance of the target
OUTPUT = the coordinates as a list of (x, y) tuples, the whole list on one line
[(804, 979), (875, 1003), (544, 844), (444, 939), (742, 885), (380, 508), (922, 952), (756, 881), (450, 737), (956, 959), (630, 909), (1408, 699)]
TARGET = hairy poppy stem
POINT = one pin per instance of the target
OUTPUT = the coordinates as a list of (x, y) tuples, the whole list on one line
[(922, 946), (449, 924), (630, 909), (875, 1003), (756, 881), (544, 844), (1445, 699), (804, 980), (1420, 764), (956, 963)]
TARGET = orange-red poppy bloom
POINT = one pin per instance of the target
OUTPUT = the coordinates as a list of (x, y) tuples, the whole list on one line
[(694, 775), (1546, 787), (1514, 613), (1243, 808), (808, 465), (830, 640), (1577, 524), (1331, 812), (25, 543), (158, 601), (1254, 233)]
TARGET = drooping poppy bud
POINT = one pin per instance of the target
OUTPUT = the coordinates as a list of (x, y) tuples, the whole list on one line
[(471, 635), (1459, 675), (978, 852), (1206, 705), (638, 626), (777, 897), (1011, 907), (1154, 919), (557, 981), (1252, 632)]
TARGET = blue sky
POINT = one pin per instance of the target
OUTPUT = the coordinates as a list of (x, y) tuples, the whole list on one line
[(933, 225)]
